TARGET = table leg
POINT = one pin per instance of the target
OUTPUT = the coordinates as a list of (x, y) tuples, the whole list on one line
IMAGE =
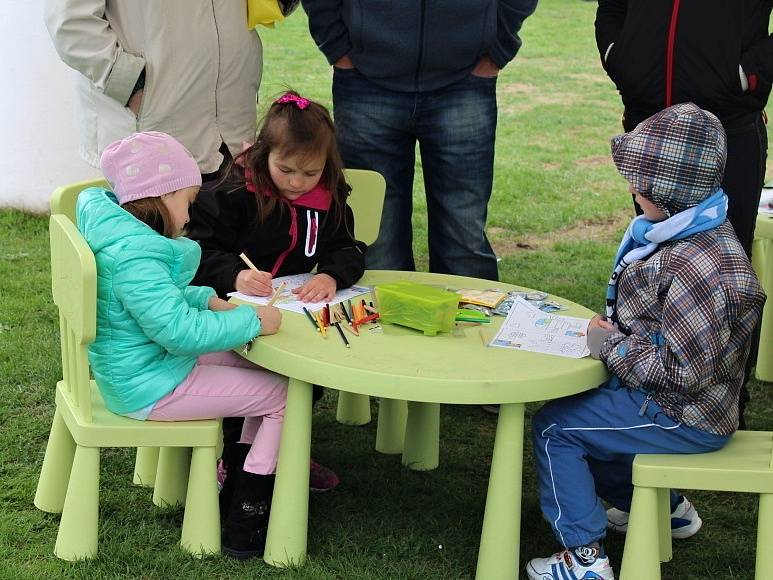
[(422, 435), (289, 520), (390, 435), (762, 258), (353, 409), (500, 537)]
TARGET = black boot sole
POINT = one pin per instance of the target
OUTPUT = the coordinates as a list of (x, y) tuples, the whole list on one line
[(241, 554)]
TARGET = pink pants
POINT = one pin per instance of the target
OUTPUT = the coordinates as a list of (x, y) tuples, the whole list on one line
[(223, 384)]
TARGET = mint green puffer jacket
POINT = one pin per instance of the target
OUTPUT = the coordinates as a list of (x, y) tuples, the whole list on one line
[(151, 326)]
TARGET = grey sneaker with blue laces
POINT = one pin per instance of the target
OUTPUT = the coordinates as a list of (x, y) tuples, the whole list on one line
[(685, 521)]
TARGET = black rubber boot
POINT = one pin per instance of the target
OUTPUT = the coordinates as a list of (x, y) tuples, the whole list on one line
[(244, 532), (234, 455)]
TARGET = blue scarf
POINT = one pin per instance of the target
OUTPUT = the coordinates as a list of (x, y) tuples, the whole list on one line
[(643, 237)]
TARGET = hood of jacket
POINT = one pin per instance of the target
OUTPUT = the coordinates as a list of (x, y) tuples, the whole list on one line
[(105, 224)]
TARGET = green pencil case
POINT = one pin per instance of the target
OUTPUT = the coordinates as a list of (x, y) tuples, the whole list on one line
[(425, 308)]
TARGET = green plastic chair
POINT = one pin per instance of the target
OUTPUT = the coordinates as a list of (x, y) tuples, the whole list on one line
[(744, 465), (69, 478), (366, 201), (762, 259)]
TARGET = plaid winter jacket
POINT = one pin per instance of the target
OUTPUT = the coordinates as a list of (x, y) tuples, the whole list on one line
[(686, 317)]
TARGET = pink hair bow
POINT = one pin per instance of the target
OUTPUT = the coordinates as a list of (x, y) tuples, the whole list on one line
[(299, 102)]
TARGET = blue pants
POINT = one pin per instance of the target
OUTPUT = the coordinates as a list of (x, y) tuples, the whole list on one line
[(455, 127), (584, 447)]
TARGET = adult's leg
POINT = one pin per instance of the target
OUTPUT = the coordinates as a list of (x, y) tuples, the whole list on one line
[(602, 425), (456, 131), (375, 131), (230, 389), (747, 151)]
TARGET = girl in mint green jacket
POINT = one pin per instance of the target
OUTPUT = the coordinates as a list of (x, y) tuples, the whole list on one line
[(163, 348)]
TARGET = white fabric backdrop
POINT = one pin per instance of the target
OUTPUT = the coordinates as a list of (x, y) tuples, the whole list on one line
[(40, 141)]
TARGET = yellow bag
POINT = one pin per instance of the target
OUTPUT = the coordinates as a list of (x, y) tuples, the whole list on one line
[(264, 12)]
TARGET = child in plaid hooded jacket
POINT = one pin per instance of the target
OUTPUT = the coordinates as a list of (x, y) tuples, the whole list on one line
[(682, 304)]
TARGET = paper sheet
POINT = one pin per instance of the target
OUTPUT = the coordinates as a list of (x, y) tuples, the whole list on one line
[(288, 301), (528, 328)]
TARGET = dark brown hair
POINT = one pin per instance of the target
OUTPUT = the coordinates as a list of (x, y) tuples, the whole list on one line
[(293, 131), (153, 212)]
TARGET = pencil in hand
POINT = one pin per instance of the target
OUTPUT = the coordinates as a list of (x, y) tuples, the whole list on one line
[(249, 263), (276, 294)]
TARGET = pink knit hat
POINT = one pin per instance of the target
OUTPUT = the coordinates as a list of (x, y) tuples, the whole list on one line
[(148, 164)]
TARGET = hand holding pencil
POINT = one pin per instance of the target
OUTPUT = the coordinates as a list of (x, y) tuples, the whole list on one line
[(253, 281)]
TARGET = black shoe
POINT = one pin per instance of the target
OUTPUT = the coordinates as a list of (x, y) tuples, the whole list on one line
[(245, 528), (234, 456)]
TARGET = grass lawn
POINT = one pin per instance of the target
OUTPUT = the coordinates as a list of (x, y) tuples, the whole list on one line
[(556, 215)]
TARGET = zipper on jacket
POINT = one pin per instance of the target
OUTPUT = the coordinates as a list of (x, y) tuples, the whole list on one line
[(420, 56), (643, 408), (217, 78), (670, 51)]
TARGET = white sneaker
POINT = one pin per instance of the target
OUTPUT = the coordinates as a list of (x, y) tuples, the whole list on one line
[(581, 563), (685, 521)]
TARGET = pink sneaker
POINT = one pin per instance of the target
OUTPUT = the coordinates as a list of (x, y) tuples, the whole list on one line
[(322, 478)]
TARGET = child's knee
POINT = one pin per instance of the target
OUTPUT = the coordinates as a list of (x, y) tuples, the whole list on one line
[(543, 418)]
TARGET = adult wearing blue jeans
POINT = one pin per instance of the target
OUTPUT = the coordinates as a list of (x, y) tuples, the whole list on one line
[(408, 71)]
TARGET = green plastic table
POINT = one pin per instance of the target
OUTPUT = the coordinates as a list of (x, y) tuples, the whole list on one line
[(402, 364), (762, 258)]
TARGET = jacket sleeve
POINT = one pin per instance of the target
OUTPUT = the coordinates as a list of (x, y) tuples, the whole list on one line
[(198, 296), (218, 221), (695, 327), (510, 17), (144, 288), (85, 41), (610, 16), (327, 28), (342, 257), (758, 61)]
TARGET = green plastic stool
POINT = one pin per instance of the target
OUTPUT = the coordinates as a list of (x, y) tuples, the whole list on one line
[(744, 465)]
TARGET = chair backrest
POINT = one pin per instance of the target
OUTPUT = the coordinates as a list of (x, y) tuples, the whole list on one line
[(74, 286), (63, 199), (366, 201)]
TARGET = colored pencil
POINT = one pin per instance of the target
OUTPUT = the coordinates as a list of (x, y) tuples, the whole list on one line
[(340, 318), (311, 319), (321, 324), (276, 294), (249, 263), (341, 332), (346, 314)]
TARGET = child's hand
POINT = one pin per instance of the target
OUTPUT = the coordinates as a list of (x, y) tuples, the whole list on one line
[(270, 319), (600, 321), (321, 288), (599, 328), (219, 305), (254, 283)]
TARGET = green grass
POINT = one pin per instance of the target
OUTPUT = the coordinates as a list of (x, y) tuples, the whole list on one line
[(557, 112)]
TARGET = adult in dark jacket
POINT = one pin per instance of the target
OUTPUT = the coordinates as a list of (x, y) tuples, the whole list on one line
[(717, 54), (408, 71)]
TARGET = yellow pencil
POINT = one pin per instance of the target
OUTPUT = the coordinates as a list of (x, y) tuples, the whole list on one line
[(249, 263), (277, 292), (321, 325)]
